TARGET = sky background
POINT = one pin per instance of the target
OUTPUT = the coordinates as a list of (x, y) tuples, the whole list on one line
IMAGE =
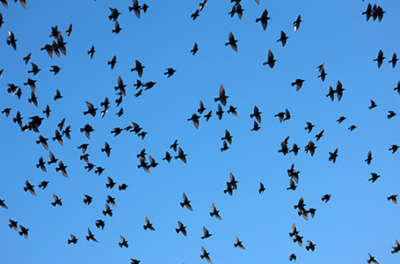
[(356, 221)]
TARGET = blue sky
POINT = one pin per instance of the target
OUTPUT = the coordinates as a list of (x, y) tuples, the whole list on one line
[(356, 221)]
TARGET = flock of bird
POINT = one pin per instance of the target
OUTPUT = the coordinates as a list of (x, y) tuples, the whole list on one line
[(58, 47)]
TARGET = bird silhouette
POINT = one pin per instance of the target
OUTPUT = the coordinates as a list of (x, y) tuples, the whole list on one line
[(232, 42), (186, 203), (264, 21), (271, 61), (123, 243), (181, 228), (56, 201), (380, 58), (29, 187), (100, 224), (148, 225), (73, 240), (112, 62), (90, 236), (215, 212), (283, 38), (205, 255), (256, 114), (333, 156), (206, 233), (24, 231), (296, 24), (298, 83), (138, 67), (195, 49), (238, 243), (369, 158)]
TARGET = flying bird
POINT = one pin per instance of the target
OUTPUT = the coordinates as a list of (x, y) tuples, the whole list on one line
[(238, 243), (271, 61), (186, 203), (181, 228), (29, 187), (374, 177), (380, 58), (232, 42), (296, 24), (369, 158), (195, 49), (138, 67), (148, 225), (73, 240), (283, 38), (56, 201), (264, 20), (333, 156), (205, 255), (11, 39), (123, 243), (298, 83), (206, 233), (215, 212), (90, 236)]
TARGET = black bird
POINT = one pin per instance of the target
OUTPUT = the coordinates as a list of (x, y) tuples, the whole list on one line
[(56, 201), (310, 147), (232, 110), (262, 188), (310, 246), (88, 199), (58, 137), (121, 87), (396, 248), (391, 114), (43, 184), (322, 75), (333, 156), (374, 177), (215, 212), (181, 155), (368, 12), (377, 12), (397, 88), (149, 85), (112, 62), (2, 204), (205, 255), (256, 114), (114, 14), (13, 224), (4, 2), (195, 49), (136, 8), (111, 200), (108, 211), (206, 233), (33, 99), (264, 21), (100, 223), (31, 84), (123, 243), (43, 140), (256, 126), (35, 69), (380, 58), (49, 50), (181, 228), (281, 116), (232, 42), (394, 148), (393, 198), (298, 83), (11, 39), (295, 149), (309, 127), (227, 137), (139, 68), (169, 72), (352, 127), (319, 136), (202, 5), (287, 115), (122, 187), (99, 170), (18, 119), (106, 149), (73, 240), (222, 96), (41, 164), (87, 129), (134, 261), (167, 157), (373, 105), (24, 231), (91, 52), (326, 198), (195, 14), (148, 225), (292, 257), (220, 112), (27, 58), (271, 61), (339, 90), (117, 28), (371, 259), (238, 243), (61, 167), (283, 38), (144, 164), (90, 236), (296, 24), (29, 187), (201, 108), (195, 120), (61, 124), (207, 116), (83, 147), (369, 158), (110, 183), (394, 60), (55, 69), (52, 158), (69, 30), (1, 20), (186, 203), (232, 181)]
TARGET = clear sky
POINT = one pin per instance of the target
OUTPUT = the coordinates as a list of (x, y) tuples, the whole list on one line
[(357, 220)]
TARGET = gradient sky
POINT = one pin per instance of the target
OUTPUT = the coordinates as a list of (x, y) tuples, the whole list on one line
[(356, 221)]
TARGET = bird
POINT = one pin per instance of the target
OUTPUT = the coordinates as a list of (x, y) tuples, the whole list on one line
[(88, 199), (309, 127), (220, 112), (368, 12), (69, 30), (181, 228), (33, 99), (371, 259), (13, 224), (295, 149), (310, 147), (138, 67), (35, 69), (208, 116), (398, 87), (206, 233), (112, 62), (181, 155), (333, 156), (202, 5), (215, 212), (201, 108), (256, 126), (298, 83), (352, 127), (238, 243), (228, 137), (331, 93), (53, 159), (122, 187), (167, 157), (256, 114), (123, 243), (27, 58), (296, 24), (283, 38), (100, 223), (380, 58), (271, 61), (91, 52), (73, 240), (310, 246), (373, 105), (108, 211), (264, 21), (186, 203), (169, 72), (377, 12), (134, 261), (43, 184), (393, 198), (394, 148), (396, 248), (56, 201), (87, 129), (61, 167), (292, 257), (339, 90), (106, 149), (369, 158), (232, 110), (195, 120), (136, 8), (148, 225), (391, 114), (111, 200), (195, 49), (24, 231), (117, 28), (319, 136), (195, 14), (374, 177), (41, 164), (281, 116), (11, 40), (205, 255), (232, 42), (114, 14), (90, 236), (222, 96), (110, 183), (29, 187), (2, 204), (322, 75), (326, 198)]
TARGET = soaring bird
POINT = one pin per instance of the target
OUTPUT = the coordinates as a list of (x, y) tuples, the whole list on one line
[(195, 120), (35, 69), (373, 105), (326, 198), (271, 61), (24, 231), (283, 38), (88, 199), (238, 243), (232, 42), (136, 8), (61, 167), (2, 204), (138, 67), (374, 177), (11, 39), (319, 136), (391, 114), (333, 156), (112, 62), (169, 72), (195, 49), (264, 20), (56, 201), (256, 114), (186, 203), (393, 198), (394, 148), (380, 58), (91, 52), (369, 158), (309, 127), (339, 90), (371, 259), (296, 24), (181, 155), (195, 14), (298, 83), (43, 184), (222, 96)]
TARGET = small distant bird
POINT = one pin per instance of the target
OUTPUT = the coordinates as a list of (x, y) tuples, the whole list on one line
[(310, 147), (106, 149), (90, 236), (380, 58), (283, 38), (227, 137), (88, 199), (122, 187), (391, 114), (309, 127), (55, 69), (397, 88), (292, 257), (202, 5), (310, 246), (271, 61), (52, 158), (114, 14), (91, 52), (169, 72), (326, 198), (371, 259), (112, 62), (298, 83), (195, 120), (35, 69), (167, 157), (393, 198), (215, 212), (186, 203), (238, 243), (333, 156), (319, 136), (195, 14), (174, 145), (220, 112), (232, 42), (2, 204), (134, 261), (13, 224), (108, 211), (11, 39), (373, 105), (138, 67), (394, 148), (61, 167), (374, 177), (369, 158), (148, 225), (195, 49), (322, 75), (69, 30), (29, 187), (256, 114), (296, 24), (73, 240), (33, 99), (111, 200), (256, 126), (205, 255), (117, 28), (394, 60), (87, 129), (352, 127), (110, 183), (396, 248), (181, 155), (295, 149), (232, 110), (100, 223), (368, 12), (264, 20), (41, 164), (43, 184), (206, 233), (123, 243), (222, 96), (208, 116), (24, 231), (181, 228), (56, 201), (339, 90), (135, 8)]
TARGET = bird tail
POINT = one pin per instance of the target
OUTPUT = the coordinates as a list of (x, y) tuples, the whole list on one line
[(182, 204), (53, 204), (177, 230), (145, 227), (69, 241), (25, 189), (104, 213), (130, 9)]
